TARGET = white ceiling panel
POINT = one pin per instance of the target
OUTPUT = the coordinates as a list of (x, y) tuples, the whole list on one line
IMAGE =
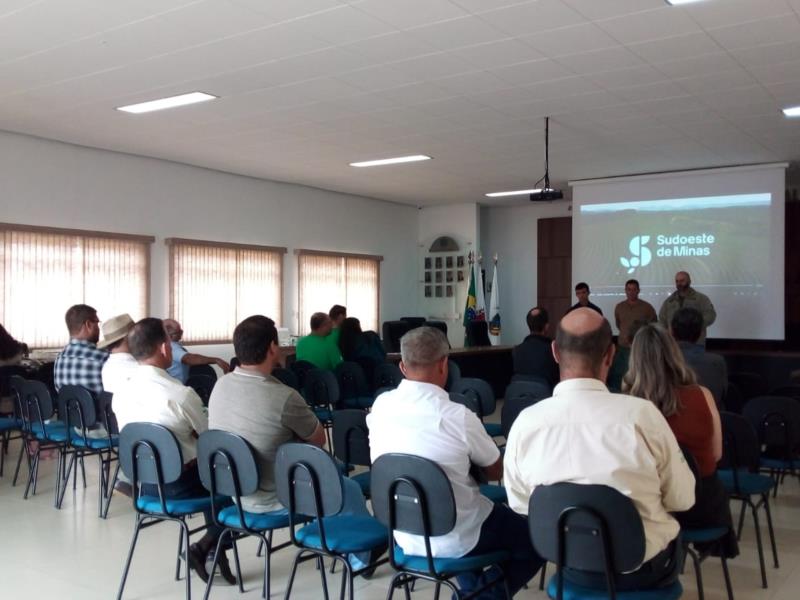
[(631, 86)]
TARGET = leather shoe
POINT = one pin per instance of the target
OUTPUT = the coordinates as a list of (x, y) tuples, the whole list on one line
[(197, 562), (223, 564)]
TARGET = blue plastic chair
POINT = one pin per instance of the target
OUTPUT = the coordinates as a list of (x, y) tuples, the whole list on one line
[(150, 454), (286, 377), (518, 396), (412, 494), (482, 392), (354, 390), (351, 444), (11, 426), (776, 420), (228, 467), (590, 528), (79, 412), (386, 375), (453, 374), (309, 486), (738, 471), (321, 392)]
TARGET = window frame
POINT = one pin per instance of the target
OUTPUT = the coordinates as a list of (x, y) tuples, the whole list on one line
[(171, 242)]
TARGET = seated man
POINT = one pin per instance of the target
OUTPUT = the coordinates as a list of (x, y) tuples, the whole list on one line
[(182, 359), (533, 356), (337, 313), (120, 364), (711, 369), (81, 362), (150, 395), (585, 434), (419, 418), (318, 347), (251, 403)]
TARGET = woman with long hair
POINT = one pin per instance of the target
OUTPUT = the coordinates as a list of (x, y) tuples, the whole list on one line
[(658, 373)]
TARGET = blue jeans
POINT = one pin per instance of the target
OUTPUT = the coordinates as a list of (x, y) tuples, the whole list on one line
[(505, 530)]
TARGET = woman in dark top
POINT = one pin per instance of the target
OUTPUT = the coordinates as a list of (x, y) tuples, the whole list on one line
[(657, 372), (363, 347), (11, 351)]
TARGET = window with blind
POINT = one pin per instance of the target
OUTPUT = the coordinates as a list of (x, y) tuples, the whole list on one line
[(215, 285), (44, 271), (328, 278)]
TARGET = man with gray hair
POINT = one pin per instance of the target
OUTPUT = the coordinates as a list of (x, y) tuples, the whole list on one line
[(418, 418)]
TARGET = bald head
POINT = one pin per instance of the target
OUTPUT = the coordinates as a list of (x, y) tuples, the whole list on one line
[(173, 329), (682, 281), (583, 345)]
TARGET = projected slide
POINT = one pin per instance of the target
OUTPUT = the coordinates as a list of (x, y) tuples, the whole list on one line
[(724, 242)]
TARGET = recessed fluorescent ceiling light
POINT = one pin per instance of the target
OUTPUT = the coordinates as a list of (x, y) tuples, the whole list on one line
[(514, 193), (792, 111), (390, 161), (171, 102), (679, 2)]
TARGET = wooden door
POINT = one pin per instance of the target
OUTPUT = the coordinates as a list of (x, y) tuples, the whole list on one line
[(554, 279)]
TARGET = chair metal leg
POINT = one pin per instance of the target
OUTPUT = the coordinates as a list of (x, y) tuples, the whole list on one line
[(110, 491), (698, 573), (32, 474), (214, 564), (83, 475), (759, 545), (236, 563), (60, 468), (437, 590), (741, 520), (771, 531), (130, 556), (344, 582), (185, 535), (726, 573), (292, 574), (22, 451), (66, 472), (543, 575), (178, 558), (321, 567)]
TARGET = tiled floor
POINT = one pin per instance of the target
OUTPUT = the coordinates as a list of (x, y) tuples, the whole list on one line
[(71, 553)]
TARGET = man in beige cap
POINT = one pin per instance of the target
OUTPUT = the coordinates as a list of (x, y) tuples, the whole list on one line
[(120, 363)]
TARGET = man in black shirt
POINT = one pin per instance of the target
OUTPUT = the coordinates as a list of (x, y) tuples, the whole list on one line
[(582, 294), (534, 355)]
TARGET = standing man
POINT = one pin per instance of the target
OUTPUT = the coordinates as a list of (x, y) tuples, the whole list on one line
[(582, 294), (534, 356), (685, 296), (81, 361), (631, 310), (338, 314), (418, 418), (584, 434), (182, 359), (318, 347)]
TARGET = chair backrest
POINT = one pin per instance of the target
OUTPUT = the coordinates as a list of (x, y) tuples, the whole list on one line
[(740, 448), (480, 390), (286, 377), (392, 331), (440, 325), (6, 373), (586, 527), (76, 406), (414, 321), (453, 374), (37, 404), (387, 375), (105, 402), (471, 402), (412, 494), (300, 368), (16, 388), (227, 464), (351, 437), (776, 420), (308, 481), (519, 395), (352, 381), (749, 384), (206, 370), (478, 333), (321, 389), (149, 453), (532, 378), (203, 385)]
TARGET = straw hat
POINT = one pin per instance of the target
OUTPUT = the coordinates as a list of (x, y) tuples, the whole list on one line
[(115, 328)]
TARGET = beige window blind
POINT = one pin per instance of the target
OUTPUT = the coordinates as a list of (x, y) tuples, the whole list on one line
[(213, 286), (44, 271), (328, 278)]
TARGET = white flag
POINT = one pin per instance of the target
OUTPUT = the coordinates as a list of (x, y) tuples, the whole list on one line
[(494, 310)]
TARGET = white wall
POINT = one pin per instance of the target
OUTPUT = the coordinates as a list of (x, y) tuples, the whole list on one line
[(49, 183), (462, 223), (511, 233)]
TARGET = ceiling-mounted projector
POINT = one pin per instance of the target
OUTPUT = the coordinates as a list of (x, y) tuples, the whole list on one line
[(546, 193)]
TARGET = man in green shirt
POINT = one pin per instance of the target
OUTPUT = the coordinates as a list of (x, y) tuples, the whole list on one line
[(318, 348), (337, 313)]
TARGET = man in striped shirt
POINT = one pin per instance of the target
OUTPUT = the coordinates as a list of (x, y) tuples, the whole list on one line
[(81, 362)]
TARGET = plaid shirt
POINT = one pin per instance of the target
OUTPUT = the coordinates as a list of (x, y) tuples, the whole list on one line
[(80, 363)]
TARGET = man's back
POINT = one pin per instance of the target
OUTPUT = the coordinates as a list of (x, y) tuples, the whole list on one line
[(319, 351), (534, 356), (267, 414), (80, 363), (584, 434), (711, 369), (418, 418)]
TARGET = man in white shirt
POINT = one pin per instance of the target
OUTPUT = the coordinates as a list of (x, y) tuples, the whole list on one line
[(150, 395), (120, 364), (419, 418), (584, 434)]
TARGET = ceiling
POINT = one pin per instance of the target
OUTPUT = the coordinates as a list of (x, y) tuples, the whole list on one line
[(308, 86)]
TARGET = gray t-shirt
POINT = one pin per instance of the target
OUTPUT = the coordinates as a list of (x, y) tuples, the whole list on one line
[(267, 414)]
